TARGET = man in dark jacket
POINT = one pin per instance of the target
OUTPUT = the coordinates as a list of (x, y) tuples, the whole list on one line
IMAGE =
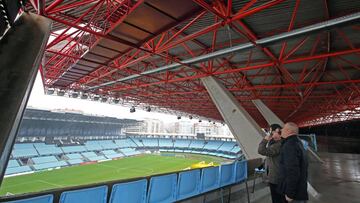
[(270, 147), (293, 171)]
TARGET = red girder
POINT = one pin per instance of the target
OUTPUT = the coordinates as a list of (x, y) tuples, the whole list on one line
[(294, 80)]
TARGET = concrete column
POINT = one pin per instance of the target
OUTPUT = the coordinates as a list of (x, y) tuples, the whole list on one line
[(21, 50), (269, 116), (244, 128)]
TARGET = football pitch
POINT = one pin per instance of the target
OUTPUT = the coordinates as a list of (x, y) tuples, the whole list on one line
[(125, 168)]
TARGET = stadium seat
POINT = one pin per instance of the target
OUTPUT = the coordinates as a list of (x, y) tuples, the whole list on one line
[(209, 179), (23, 146), (24, 152), (213, 145), (74, 156), (150, 142), (88, 195), (13, 163), (182, 143), (198, 144), (166, 143), (130, 192), (236, 149), (227, 174), (188, 184), (44, 159), (162, 189), (40, 199), (227, 146), (49, 165), (20, 169), (240, 171), (75, 161), (47, 149)]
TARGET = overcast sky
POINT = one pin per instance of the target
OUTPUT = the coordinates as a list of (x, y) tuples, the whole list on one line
[(39, 100)]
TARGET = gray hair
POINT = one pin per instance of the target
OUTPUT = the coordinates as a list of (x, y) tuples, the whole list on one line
[(293, 128)]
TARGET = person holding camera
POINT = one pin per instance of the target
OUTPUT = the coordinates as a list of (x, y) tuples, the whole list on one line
[(270, 147)]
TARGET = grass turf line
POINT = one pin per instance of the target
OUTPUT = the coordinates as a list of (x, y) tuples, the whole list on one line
[(130, 167)]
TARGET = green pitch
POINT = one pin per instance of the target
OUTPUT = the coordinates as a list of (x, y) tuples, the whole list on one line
[(139, 166)]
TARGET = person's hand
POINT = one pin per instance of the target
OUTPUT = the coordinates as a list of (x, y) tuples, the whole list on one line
[(267, 137), (288, 199)]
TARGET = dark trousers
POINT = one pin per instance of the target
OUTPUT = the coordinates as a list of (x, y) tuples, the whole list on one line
[(275, 196)]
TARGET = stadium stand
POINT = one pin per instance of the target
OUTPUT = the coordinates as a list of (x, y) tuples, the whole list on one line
[(181, 143), (227, 146), (108, 144), (24, 150), (50, 165), (174, 187), (110, 154), (89, 154), (97, 158), (167, 143), (23, 146), (137, 142), (129, 151), (47, 149), (41, 156), (197, 144), (93, 157), (236, 149), (71, 149), (19, 169), (44, 159), (150, 142), (74, 156), (125, 143), (75, 161), (13, 163), (213, 145), (93, 145)]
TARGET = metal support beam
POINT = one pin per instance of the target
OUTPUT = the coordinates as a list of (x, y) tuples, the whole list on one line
[(21, 50), (244, 128), (242, 47)]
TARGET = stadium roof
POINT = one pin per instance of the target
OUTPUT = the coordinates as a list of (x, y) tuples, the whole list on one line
[(125, 49)]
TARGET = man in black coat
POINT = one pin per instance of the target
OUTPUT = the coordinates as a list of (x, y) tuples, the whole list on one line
[(293, 171)]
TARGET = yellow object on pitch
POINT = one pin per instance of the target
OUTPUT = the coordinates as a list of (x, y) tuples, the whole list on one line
[(201, 164)]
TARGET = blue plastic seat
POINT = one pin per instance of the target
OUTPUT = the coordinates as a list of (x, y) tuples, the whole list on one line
[(40, 199), (162, 189), (227, 174), (305, 144), (188, 184), (88, 195), (240, 171), (209, 179), (130, 192)]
